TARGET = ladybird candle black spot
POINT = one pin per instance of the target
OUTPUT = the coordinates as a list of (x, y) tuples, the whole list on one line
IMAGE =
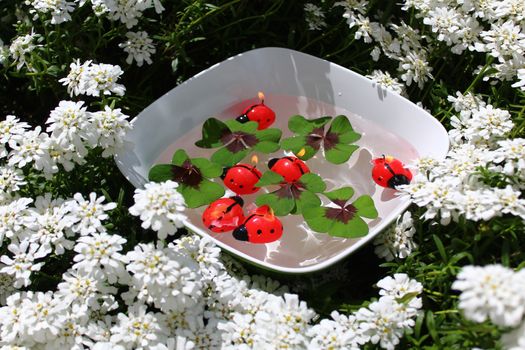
[(260, 113)]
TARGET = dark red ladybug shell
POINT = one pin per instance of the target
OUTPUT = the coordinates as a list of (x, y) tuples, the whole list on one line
[(260, 113), (241, 178), (290, 168), (224, 214), (390, 172)]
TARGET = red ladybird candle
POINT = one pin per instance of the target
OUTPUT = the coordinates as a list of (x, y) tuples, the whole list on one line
[(290, 168), (390, 172), (224, 214), (241, 178), (262, 226), (260, 113)]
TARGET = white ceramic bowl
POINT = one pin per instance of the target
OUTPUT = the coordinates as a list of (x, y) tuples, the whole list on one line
[(294, 83)]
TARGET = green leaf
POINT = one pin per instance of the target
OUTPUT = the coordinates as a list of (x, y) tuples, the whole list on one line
[(365, 207), (249, 127), (305, 200), (341, 194), (212, 131), (312, 182), (280, 205), (179, 157), (316, 219), (349, 137), (271, 134), (294, 143), (160, 173), (269, 178), (226, 158), (266, 147), (300, 125), (340, 125), (207, 168), (340, 153), (356, 227), (206, 193)]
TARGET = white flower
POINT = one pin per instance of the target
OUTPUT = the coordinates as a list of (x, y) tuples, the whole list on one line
[(81, 291), (93, 79), (331, 334), (467, 102), (60, 9), (11, 180), (33, 147), (76, 79), (22, 263), (100, 252), (491, 292), (88, 215), (164, 277), (69, 124), (386, 81), (49, 227), (396, 241), (203, 251), (126, 11), (41, 311), (399, 286), (20, 49), (444, 21), (11, 128), (381, 323), (160, 206), (102, 79), (415, 67), (14, 218), (139, 329), (111, 126), (314, 16), (139, 47), (240, 332), (503, 40)]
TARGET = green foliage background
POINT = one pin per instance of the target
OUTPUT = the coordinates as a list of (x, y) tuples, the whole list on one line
[(193, 35)]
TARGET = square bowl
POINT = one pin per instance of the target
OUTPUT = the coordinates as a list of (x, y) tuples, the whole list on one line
[(294, 83)]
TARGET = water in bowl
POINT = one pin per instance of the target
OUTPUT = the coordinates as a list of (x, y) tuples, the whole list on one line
[(299, 245)]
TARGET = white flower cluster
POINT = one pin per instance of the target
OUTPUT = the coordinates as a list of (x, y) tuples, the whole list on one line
[(60, 10), (160, 207), (314, 16), (21, 48), (72, 131), (48, 227), (495, 293), (127, 12), (139, 48), (491, 26), (402, 44), (383, 322), (93, 79), (452, 187), (396, 242), (386, 81)]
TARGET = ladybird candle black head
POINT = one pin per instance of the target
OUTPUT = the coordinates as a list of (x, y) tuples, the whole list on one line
[(262, 226), (290, 168), (390, 172), (259, 113), (224, 214)]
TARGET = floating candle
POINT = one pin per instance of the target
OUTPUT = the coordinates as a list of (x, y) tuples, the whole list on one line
[(262, 226), (390, 172), (290, 168), (224, 214), (260, 113), (241, 178)]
